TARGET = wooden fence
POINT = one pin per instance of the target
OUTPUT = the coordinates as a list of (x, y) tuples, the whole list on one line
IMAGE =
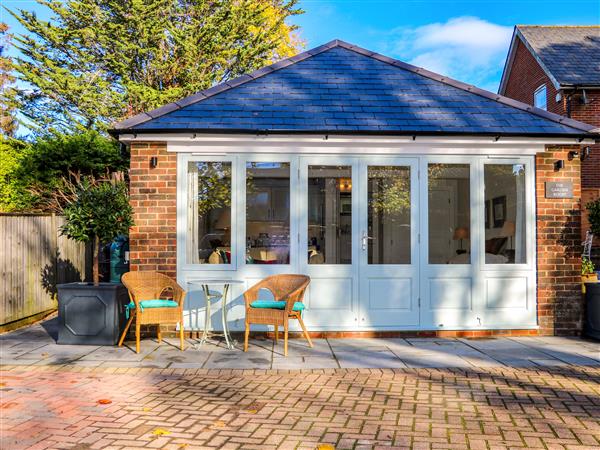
[(34, 258)]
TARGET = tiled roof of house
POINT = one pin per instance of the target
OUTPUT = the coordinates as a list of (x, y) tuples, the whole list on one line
[(571, 54), (341, 88)]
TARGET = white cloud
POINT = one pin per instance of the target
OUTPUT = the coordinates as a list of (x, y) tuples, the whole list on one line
[(467, 48)]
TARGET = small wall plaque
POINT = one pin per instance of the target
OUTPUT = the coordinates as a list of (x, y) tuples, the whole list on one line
[(559, 189)]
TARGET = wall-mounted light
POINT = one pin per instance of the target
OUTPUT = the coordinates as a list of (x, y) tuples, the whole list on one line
[(558, 165), (572, 155), (153, 162)]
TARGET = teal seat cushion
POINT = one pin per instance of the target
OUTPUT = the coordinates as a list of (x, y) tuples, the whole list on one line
[(274, 304), (159, 303)]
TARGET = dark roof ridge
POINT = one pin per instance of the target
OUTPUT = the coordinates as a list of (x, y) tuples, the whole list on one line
[(146, 116), (557, 26)]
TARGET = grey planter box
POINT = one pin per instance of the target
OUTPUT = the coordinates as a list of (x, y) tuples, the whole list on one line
[(91, 314), (592, 310)]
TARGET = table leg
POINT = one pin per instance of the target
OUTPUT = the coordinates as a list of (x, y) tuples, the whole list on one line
[(224, 318), (206, 315)]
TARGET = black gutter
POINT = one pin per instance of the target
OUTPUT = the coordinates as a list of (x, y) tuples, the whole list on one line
[(246, 131)]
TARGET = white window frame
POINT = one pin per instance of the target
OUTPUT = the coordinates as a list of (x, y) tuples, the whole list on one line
[(292, 160), (530, 240), (182, 212), (538, 91)]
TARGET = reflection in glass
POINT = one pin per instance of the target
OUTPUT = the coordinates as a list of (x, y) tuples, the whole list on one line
[(209, 213), (504, 213), (449, 214), (267, 213), (389, 214), (329, 215)]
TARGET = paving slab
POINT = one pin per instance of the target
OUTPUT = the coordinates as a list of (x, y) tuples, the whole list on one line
[(239, 360), (304, 363), (35, 345), (369, 359)]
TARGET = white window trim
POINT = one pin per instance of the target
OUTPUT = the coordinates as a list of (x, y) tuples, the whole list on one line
[(182, 213), (530, 255)]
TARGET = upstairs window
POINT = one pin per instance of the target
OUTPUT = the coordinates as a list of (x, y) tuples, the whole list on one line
[(539, 97)]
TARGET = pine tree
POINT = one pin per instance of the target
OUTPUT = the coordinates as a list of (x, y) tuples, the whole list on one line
[(8, 124), (99, 61)]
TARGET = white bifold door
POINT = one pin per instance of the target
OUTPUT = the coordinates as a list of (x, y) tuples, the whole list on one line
[(359, 241)]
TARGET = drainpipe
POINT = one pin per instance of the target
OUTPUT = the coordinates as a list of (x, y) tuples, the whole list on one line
[(568, 103)]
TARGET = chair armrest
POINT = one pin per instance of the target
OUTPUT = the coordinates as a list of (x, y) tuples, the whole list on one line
[(293, 297), (178, 292), (252, 293)]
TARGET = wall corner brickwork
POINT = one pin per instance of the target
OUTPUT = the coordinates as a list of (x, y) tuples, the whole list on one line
[(560, 303), (153, 239)]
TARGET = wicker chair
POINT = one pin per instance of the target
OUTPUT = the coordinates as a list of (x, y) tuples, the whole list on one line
[(145, 286), (285, 288)]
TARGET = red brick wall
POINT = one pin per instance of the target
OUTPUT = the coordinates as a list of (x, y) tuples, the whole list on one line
[(558, 246), (154, 200), (526, 75), (589, 113)]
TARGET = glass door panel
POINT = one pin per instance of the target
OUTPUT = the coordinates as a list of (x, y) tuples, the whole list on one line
[(505, 213), (329, 214), (388, 204), (267, 213), (328, 240), (449, 213), (448, 263), (389, 214), (209, 212)]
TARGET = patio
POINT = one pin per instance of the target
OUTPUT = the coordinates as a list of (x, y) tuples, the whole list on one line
[(35, 346), (537, 392)]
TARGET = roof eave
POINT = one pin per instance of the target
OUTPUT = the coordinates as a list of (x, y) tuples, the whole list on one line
[(264, 132)]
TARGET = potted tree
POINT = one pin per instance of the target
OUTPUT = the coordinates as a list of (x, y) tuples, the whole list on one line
[(592, 289), (93, 313)]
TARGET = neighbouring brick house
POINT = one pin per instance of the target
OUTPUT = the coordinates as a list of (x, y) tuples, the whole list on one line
[(560, 66), (416, 203)]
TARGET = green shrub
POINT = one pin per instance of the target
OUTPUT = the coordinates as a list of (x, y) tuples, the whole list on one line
[(593, 210), (14, 195), (31, 174)]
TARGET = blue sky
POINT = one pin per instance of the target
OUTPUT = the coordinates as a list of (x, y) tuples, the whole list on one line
[(467, 40)]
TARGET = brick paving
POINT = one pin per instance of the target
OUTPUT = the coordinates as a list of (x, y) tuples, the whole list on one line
[(59, 407)]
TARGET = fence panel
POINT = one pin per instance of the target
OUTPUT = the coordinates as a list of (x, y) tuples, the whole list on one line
[(34, 257)]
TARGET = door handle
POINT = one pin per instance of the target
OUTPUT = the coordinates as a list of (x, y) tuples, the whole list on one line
[(365, 239)]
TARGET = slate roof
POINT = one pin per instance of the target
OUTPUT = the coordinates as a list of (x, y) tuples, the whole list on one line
[(570, 54), (339, 88)]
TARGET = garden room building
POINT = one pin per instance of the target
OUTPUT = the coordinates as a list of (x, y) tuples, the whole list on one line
[(416, 203)]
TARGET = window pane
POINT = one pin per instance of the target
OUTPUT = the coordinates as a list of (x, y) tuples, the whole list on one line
[(389, 214), (505, 232), (540, 98), (209, 213), (329, 215), (267, 213), (449, 214)]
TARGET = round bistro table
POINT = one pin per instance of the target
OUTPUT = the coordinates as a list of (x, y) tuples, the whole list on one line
[(205, 285)]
